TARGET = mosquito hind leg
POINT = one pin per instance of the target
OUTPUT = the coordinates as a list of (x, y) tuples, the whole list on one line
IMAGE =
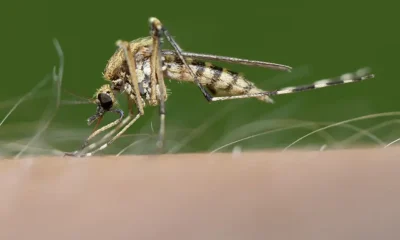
[(360, 75), (161, 29)]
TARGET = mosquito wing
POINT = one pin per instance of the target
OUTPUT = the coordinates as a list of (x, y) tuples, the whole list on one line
[(274, 66)]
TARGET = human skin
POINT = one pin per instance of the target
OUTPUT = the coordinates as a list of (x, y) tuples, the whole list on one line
[(338, 194)]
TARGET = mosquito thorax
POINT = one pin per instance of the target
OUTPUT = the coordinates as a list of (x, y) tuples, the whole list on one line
[(117, 85)]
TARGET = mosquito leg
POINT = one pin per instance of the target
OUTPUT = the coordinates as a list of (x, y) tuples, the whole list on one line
[(104, 128), (102, 147), (360, 75), (160, 28), (112, 132), (158, 77), (154, 64), (135, 96), (129, 56), (161, 135), (92, 146), (98, 131)]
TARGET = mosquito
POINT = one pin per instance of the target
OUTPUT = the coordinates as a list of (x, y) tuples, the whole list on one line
[(138, 69)]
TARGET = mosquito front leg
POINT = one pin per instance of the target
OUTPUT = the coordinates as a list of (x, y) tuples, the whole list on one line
[(132, 73), (102, 147), (160, 28), (105, 138), (98, 131), (112, 132), (154, 60), (104, 128)]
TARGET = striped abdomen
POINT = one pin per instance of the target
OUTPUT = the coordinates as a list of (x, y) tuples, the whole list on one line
[(219, 81)]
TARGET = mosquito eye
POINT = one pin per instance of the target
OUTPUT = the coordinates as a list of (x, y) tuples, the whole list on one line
[(105, 101)]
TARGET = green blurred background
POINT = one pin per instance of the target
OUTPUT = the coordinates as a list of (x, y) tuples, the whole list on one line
[(319, 39)]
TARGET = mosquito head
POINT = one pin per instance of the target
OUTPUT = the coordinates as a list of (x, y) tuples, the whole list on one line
[(105, 100)]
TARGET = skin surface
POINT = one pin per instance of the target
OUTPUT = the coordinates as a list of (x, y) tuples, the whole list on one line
[(340, 194)]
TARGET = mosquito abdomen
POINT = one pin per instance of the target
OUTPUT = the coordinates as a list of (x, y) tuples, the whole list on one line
[(219, 81)]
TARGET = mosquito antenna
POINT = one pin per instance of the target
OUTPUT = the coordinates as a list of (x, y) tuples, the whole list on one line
[(86, 99)]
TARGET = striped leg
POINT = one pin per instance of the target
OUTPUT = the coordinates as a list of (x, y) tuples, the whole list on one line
[(360, 75), (346, 78), (157, 25)]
